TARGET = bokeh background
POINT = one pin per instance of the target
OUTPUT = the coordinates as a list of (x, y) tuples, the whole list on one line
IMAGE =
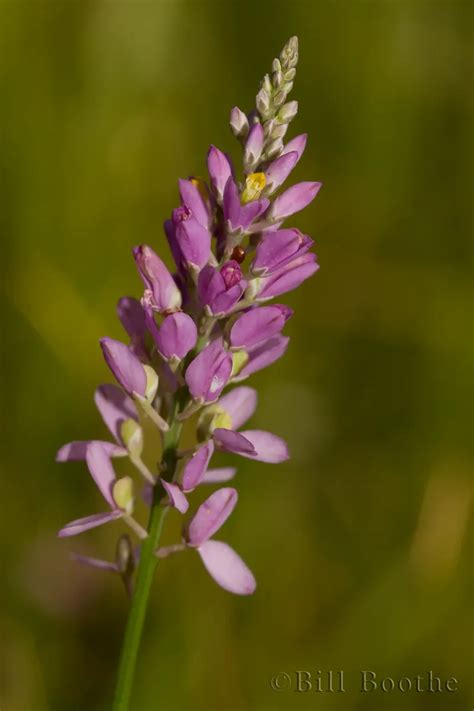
[(360, 543)]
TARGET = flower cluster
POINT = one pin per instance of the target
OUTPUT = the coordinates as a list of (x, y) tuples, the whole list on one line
[(207, 326)]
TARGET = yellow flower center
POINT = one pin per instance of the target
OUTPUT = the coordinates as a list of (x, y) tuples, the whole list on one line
[(254, 184)]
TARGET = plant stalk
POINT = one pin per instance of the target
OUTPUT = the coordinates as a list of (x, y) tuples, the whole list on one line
[(145, 575)]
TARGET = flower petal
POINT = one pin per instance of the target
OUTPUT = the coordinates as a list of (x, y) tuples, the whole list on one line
[(207, 375), (191, 196), (132, 317), (157, 279), (195, 468), (288, 277), (231, 441), (293, 200), (258, 325), (268, 446), (298, 144), (84, 524), (176, 336), (263, 355), (76, 451), (125, 366), (219, 475), (220, 170), (240, 404), (227, 568), (95, 562), (176, 496), (278, 171), (115, 407), (211, 515), (101, 470)]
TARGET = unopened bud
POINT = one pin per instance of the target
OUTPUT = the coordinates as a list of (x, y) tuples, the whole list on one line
[(276, 65), (288, 112), (277, 79), (122, 493), (267, 84), (132, 437), (239, 122), (279, 98), (290, 75), (268, 127), (274, 148), (124, 557), (263, 101), (279, 131)]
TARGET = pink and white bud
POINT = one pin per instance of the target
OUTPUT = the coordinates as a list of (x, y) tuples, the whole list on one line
[(163, 294)]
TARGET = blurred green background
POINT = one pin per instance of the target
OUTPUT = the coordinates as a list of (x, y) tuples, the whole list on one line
[(360, 543)]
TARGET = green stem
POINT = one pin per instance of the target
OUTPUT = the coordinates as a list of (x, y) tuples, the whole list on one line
[(145, 574)]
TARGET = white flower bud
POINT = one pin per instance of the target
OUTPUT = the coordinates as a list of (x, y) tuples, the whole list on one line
[(288, 112), (238, 122), (279, 131), (263, 101)]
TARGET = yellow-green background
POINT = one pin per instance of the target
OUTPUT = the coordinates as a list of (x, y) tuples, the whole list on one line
[(360, 543)]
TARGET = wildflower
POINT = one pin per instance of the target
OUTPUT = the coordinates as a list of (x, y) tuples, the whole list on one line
[(198, 330), (221, 561), (118, 493)]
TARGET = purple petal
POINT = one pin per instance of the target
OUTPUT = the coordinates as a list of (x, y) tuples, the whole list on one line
[(220, 170), (211, 515), (194, 242), (170, 232), (288, 277), (132, 317), (84, 524), (176, 496), (252, 210), (232, 441), (177, 336), (76, 451), (256, 326), (164, 294), (219, 475), (231, 202), (297, 144), (196, 467), (263, 355), (95, 562), (125, 366), (240, 404), (214, 293), (278, 171), (101, 470), (115, 406), (209, 372), (227, 568), (268, 446), (191, 196), (278, 248), (293, 200), (254, 145)]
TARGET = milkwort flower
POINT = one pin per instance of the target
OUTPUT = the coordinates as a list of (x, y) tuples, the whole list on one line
[(194, 332)]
